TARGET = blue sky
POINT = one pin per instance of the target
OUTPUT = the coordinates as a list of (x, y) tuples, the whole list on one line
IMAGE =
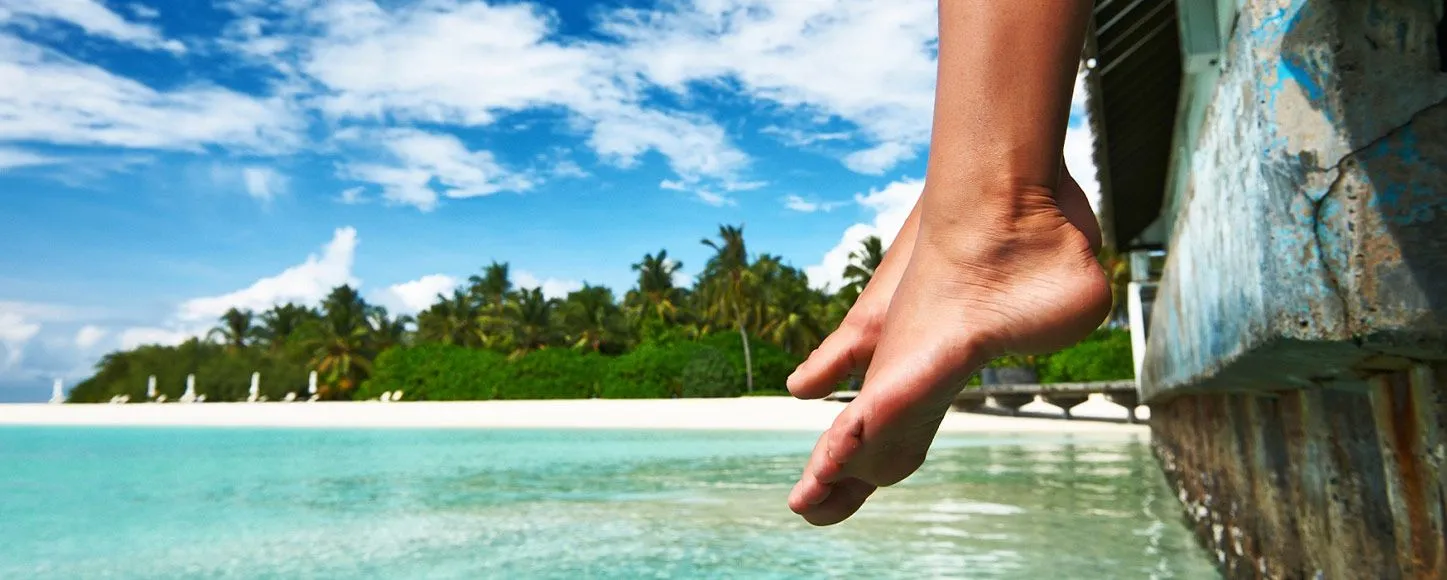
[(163, 160)]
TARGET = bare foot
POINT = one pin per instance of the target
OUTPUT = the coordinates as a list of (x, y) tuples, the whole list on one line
[(850, 347), (1016, 277)]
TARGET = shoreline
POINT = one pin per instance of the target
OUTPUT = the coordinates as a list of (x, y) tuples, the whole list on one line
[(746, 413)]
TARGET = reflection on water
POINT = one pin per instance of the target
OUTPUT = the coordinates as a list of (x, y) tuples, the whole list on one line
[(566, 504)]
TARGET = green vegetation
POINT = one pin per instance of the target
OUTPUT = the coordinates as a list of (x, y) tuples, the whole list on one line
[(739, 330), (1104, 356)]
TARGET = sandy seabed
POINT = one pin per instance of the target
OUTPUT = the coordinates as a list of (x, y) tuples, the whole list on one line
[(748, 413)]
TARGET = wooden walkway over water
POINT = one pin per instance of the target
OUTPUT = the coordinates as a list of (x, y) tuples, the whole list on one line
[(1012, 397)]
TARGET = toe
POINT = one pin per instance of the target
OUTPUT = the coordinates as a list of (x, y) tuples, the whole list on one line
[(827, 463), (809, 492), (845, 498), (841, 353)]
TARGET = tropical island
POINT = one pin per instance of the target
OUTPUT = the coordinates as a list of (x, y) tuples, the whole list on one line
[(740, 329)]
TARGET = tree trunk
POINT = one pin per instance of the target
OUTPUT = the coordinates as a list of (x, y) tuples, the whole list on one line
[(748, 357)]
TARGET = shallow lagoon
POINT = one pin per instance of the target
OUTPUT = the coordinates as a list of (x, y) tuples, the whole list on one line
[(317, 503)]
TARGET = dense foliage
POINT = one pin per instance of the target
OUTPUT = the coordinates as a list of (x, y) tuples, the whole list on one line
[(711, 374), (740, 329), (1105, 356)]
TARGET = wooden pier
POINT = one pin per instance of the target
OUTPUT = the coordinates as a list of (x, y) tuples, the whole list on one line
[(1013, 397)]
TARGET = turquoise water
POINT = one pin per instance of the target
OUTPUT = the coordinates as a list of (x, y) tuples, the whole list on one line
[(258, 503)]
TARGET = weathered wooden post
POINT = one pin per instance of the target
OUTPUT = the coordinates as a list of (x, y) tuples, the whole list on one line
[(1291, 161)]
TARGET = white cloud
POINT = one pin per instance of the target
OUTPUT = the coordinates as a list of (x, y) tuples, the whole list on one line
[(144, 12), (16, 329), (805, 56), (15, 332), (136, 337), (877, 160), (49, 97), (95, 18), (802, 205), (796, 137), (423, 159), (89, 335), (470, 64), (566, 168), (264, 183), (694, 146), (307, 282), (704, 195), (552, 287), (714, 199), (11, 158), (891, 206), (415, 296)]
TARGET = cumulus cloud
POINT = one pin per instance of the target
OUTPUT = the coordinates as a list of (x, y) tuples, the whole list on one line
[(136, 337), (15, 332), (551, 287), (89, 335), (891, 206), (416, 295), (95, 18), (304, 283), (307, 282)]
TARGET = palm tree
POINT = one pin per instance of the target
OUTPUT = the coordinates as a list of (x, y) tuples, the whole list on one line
[(452, 320), (235, 330), (282, 322), (341, 357), (492, 292), (656, 293), (342, 352), (862, 264), (789, 311), (591, 317), (728, 285), (387, 331), (533, 316), (493, 286), (344, 307)]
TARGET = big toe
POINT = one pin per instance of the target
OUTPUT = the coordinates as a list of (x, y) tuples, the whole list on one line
[(845, 497)]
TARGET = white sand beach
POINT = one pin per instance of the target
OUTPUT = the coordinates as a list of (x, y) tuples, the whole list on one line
[(749, 413)]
